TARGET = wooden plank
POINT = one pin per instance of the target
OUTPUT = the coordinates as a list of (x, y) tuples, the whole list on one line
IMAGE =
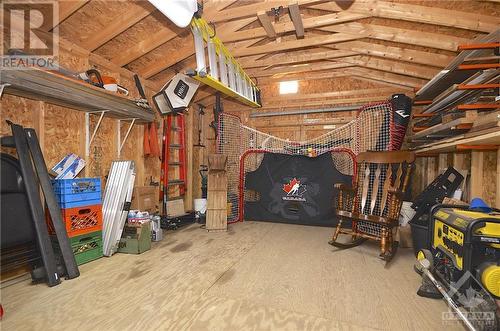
[(314, 75), (295, 44), (442, 162), (398, 67), (189, 131), (405, 36), (455, 124), (396, 53), (117, 26), (67, 8), (301, 104), (486, 137), (266, 24), (388, 77), (251, 9), (420, 14), (67, 92), (318, 66), (432, 170), (294, 12), (294, 57), (476, 175), (347, 93), (308, 23)]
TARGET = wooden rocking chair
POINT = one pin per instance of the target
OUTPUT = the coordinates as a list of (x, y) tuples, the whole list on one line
[(374, 202)]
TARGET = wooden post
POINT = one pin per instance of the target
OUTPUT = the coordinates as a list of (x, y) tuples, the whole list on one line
[(188, 128), (459, 163), (217, 193), (476, 176)]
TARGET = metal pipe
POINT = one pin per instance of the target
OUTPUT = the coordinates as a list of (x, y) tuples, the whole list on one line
[(307, 111)]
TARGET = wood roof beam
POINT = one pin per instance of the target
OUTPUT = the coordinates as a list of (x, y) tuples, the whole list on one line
[(294, 57), (252, 9), (308, 23), (337, 94), (293, 11), (117, 26), (67, 8), (405, 36), (303, 76), (163, 36), (393, 66), (386, 77), (295, 44), (266, 24), (420, 14), (299, 68), (396, 53)]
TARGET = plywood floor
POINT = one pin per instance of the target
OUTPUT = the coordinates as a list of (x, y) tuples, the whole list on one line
[(257, 276)]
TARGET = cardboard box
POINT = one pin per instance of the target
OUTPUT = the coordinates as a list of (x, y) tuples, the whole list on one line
[(145, 198), (136, 238)]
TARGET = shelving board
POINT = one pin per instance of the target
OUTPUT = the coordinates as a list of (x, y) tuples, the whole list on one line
[(65, 91), (486, 137)]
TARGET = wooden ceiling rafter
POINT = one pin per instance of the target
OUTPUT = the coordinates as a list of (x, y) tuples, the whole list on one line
[(300, 68), (252, 9), (393, 66), (404, 36), (308, 23), (290, 58), (294, 12), (383, 76), (419, 14), (296, 44), (68, 8), (265, 21), (164, 35), (396, 53), (117, 26)]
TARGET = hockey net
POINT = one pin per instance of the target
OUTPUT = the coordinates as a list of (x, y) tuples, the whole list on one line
[(245, 147)]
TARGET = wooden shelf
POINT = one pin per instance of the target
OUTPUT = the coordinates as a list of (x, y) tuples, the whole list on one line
[(65, 91), (451, 74), (485, 137)]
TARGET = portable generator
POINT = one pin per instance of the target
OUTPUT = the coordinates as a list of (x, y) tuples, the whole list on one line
[(466, 241), (464, 254)]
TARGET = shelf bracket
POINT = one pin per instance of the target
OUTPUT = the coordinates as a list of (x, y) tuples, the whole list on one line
[(120, 142), (2, 87), (89, 138)]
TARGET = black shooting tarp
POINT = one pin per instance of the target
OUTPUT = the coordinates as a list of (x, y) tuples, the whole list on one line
[(294, 189)]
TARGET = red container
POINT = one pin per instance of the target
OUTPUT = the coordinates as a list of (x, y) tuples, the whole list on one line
[(79, 220)]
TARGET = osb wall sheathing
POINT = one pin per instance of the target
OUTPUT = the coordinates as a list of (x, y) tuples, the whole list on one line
[(62, 130)]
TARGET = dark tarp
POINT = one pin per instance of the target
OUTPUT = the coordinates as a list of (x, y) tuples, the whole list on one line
[(294, 189)]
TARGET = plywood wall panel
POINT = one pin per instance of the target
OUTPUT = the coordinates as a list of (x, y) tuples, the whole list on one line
[(62, 135)]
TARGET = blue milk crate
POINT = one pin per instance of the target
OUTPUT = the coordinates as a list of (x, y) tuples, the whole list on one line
[(77, 192)]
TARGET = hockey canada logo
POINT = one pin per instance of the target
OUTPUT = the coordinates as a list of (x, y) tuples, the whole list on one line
[(294, 191)]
